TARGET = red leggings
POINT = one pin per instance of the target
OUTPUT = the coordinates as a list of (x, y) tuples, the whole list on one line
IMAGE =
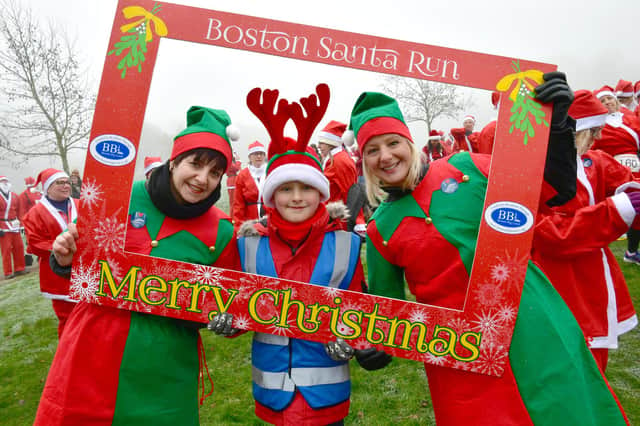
[(63, 309)]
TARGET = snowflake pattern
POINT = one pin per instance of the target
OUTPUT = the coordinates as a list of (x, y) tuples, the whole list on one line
[(330, 292), (500, 273), (91, 193), (84, 283), (492, 360), (203, 274), (488, 294), (418, 315), (109, 235), (488, 324), (241, 321), (507, 313), (432, 359)]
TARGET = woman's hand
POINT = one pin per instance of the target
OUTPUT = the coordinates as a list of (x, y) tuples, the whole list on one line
[(64, 246)]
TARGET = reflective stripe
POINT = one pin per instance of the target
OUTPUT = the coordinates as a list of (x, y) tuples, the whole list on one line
[(268, 380), (64, 297), (250, 253), (313, 376), (341, 259), (271, 339)]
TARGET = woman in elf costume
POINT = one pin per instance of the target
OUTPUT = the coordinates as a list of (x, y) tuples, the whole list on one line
[(116, 366), (551, 378)]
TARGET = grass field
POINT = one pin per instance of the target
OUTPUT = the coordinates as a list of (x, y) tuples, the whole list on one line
[(396, 395)]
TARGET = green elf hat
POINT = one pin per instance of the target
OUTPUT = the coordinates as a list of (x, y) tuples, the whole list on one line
[(374, 114), (206, 128)]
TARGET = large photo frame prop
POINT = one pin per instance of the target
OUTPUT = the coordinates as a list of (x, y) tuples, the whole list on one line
[(476, 338)]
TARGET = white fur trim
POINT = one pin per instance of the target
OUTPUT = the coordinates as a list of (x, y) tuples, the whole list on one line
[(152, 166), (469, 117), (329, 139), (294, 172), (233, 132), (590, 122), (52, 179), (257, 149), (627, 325), (348, 138), (625, 208), (605, 93), (622, 94)]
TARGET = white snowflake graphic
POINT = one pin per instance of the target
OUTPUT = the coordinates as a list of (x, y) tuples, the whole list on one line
[(507, 313), (459, 324), (330, 291), (204, 275), (433, 359), (281, 331), (116, 270), (84, 283), (91, 193), (488, 324), (109, 235), (492, 360), (500, 273), (418, 315), (488, 294), (241, 321)]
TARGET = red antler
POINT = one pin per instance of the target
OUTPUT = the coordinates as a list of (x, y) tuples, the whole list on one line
[(273, 122), (315, 112)]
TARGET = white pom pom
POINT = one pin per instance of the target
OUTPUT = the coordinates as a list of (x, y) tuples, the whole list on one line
[(348, 138), (233, 133)]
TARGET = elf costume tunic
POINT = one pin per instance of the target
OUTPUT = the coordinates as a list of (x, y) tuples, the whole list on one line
[(120, 367), (552, 378), (571, 245)]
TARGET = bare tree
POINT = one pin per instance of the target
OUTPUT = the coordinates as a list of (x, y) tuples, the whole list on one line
[(425, 101), (48, 108)]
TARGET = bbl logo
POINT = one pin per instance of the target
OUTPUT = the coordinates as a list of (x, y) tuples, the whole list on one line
[(508, 217), (112, 150)]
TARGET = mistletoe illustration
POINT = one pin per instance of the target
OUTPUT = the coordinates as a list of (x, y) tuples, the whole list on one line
[(524, 106), (137, 34)]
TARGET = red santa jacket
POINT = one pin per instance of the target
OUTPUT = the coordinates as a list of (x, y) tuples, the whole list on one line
[(9, 207), (486, 138), (246, 198), (571, 245), (341, 172), (232, 174), (464, 142), (27, 200), (42, 224), (620, 139)]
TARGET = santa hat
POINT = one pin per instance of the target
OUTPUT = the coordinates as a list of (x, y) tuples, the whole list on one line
[(332, 133), (289, 158), (469, 117), (636, 88), (434, 135), (495, 98), (48, 176), (29, 181), (256, 147), (206, 128), (624, 89), (4, 178), (151, 163), (604, 91), (587, 110), (374, 114)]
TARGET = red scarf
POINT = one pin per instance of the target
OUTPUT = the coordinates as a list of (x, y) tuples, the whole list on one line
[(294, 234)]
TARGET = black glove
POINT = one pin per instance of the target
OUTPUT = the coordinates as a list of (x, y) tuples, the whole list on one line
[(221, 324), (339, 350), (372, 359), (1, 232), (555, 89)]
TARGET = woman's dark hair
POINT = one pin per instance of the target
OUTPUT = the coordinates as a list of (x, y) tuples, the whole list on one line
[(204, 155)]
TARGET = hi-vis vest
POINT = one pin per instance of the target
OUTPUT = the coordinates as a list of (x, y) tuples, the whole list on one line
[(280, 364)]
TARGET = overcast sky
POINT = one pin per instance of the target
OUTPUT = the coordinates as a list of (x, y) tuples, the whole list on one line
[(587, 39)]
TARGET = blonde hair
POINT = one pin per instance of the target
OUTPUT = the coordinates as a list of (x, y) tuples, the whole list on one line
[(375, 187)]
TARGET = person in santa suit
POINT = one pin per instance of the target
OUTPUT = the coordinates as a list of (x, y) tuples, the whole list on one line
[(621, 139), (571, 242), (432, 213), (488, 132), (625, 95), (150, 164), (465, 139), (232, 174), (294, 381), (29, 197), (115, 366), (339, 168), (10, 239), (636, 88), (42, 224), (433, 150), (246, 200)]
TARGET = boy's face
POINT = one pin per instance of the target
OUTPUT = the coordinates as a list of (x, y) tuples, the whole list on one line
[(296, 201)]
